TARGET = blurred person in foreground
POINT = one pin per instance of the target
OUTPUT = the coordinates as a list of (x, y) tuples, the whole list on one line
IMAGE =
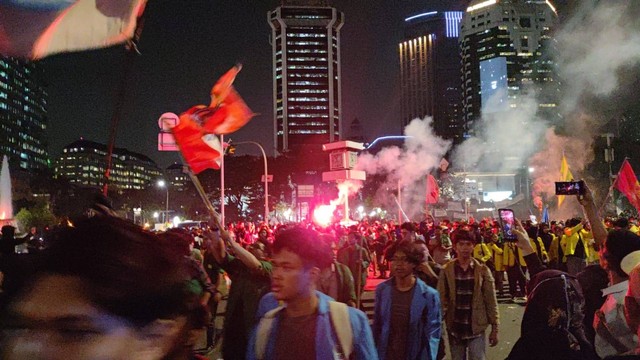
[(105, 289), (552, 325)]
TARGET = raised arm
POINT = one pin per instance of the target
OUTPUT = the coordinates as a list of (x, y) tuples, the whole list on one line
[(591, 211)]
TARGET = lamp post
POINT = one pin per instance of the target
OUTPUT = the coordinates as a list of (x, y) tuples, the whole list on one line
[(266, 178), (530, 170), (163, 184)]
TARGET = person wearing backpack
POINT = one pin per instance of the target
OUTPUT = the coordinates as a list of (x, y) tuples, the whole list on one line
[(407, 321), (307, 322)]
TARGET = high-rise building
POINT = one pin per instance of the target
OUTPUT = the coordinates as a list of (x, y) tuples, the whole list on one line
[(23, 115), (430, 71), (306, 71), (83, 162), (504, 46)]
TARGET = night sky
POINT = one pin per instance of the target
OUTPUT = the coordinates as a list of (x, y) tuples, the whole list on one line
[(186, 45)]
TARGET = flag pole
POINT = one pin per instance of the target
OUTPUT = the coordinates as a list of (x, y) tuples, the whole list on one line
[(131, 53)]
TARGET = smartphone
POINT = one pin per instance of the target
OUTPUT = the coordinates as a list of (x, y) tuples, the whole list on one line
[(507, 224), (570, 188)]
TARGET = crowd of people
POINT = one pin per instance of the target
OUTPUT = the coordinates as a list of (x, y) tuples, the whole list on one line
[(105, 288)]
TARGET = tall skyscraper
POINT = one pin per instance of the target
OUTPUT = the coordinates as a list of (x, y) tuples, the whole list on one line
[(306, 71), (430, 71), (23, 115), (504, 46)]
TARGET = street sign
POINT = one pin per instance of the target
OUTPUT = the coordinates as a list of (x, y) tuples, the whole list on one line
[(269, 178), (167, 121), (305, 191), (166, 142)]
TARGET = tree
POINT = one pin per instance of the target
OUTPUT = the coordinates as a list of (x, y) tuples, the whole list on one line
[(39, 216)]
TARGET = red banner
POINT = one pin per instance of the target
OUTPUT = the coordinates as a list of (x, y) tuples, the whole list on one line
[(627, 183)]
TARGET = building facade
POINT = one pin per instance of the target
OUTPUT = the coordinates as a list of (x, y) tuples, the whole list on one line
[(83, 162), (505, 46), (430, 71), (23, 115), (177, 177), (306, 71)]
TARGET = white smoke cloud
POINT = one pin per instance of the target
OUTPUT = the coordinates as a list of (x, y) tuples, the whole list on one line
[(503, 141), (407, 167), (597, 42)]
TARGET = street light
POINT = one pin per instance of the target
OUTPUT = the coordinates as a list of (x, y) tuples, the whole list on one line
[(163, 184), (266, 178)]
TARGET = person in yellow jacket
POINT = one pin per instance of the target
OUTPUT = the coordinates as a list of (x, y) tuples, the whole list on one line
[(593, 258), (496, 252), (514, 262), (577, 248), (557, 260)]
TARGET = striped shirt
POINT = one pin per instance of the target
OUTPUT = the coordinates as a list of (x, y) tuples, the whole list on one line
[(464, 295)]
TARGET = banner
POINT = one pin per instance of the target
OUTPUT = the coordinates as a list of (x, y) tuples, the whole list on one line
[(35, 29)]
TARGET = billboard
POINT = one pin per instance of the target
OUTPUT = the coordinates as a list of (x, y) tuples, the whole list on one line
[(493, 85)]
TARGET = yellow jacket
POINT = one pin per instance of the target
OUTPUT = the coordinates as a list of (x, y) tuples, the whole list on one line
[(497, 256), (572, 237), (545, 255), (593, 256), (481, 252), (509, 256), (554, 248)]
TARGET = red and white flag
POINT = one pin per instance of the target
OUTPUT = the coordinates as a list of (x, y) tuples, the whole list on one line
[(35, 29), (627, 183), (196, 132), (200, 150), (231, 112), (433, 191)]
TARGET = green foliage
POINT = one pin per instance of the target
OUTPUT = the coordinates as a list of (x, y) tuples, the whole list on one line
[(39, 216)]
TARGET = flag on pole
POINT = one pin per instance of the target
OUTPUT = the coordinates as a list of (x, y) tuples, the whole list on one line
[(565, 175), (433, 191), (627, 183), (196, 132), (35, 28), (201, 151), (231, 112), (545, 214)]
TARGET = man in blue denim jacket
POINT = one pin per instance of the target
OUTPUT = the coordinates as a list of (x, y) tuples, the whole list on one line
[(407, 320), (304, 325)]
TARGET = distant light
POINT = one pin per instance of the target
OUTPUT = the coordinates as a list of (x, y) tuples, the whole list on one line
[(391, 137), (552, 7), (482, 5), (360, 209), (161, 183), (156, 215), (420, 15), (176, 221), (531, 169), (453, 19), (323, 215)]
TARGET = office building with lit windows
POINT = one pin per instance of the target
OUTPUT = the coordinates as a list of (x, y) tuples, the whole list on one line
[(306, 70), (23, 115), (430, 71), (177, 176), (83, 162), (504, 47)]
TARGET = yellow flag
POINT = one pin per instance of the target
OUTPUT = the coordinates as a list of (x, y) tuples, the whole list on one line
[(565, 175)]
